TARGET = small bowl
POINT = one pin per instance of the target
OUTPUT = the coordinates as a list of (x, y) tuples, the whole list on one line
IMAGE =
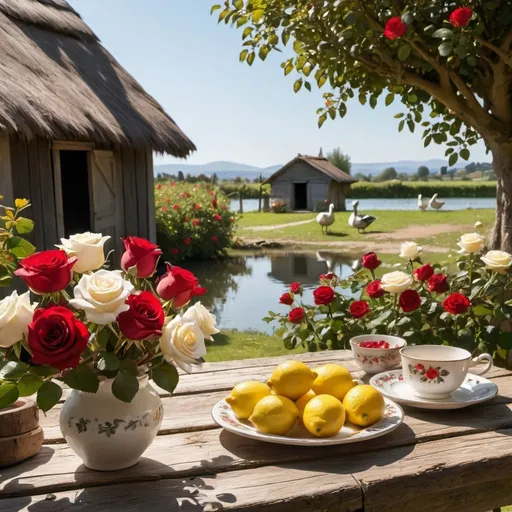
[(376, 360)]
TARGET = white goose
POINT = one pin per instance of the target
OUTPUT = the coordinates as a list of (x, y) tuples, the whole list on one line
[(326, 219), (422, 205), (434, 203), (359, 221)]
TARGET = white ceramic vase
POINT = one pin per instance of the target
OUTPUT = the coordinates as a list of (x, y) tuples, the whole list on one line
[(106, 433)]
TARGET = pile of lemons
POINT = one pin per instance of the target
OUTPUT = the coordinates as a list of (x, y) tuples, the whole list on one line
[(321, 399)]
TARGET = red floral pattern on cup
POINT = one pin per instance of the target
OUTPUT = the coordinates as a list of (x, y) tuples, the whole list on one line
[(429, 374)]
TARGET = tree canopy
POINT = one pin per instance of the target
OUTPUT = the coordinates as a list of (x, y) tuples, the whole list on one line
[(388, 174), (423, 172), (340, 160)]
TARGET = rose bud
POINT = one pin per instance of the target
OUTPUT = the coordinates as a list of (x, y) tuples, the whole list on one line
[(140, 254)]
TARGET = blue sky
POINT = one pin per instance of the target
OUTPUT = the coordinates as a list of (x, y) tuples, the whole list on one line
[(176, 50)]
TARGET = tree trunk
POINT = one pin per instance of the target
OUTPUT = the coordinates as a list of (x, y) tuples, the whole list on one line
[(501, 237)]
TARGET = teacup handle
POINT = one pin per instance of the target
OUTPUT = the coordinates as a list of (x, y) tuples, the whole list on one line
[(478, 360)]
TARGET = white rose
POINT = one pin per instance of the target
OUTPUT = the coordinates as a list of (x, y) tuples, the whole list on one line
[(16, 313), (499, 261), (396, 282), (410, 250), (102, 296), (182, 341), (471, 242), (203, 318), (88, 248)]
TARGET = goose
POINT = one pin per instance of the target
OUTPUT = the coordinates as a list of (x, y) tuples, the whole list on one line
[(434, 203), (422, 205), (359, 221), (326, 219), (328, 258)]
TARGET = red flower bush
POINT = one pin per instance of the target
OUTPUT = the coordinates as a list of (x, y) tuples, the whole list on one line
[(395, 28), (374, 290), (460, 17), (438, 283), (324, 295), (359, 308), (456, 303), (56, 338), (286, 298), (47, 272), (409, 300), (144, 319), (179, 285), (142, 254), (424, 273), (370, 261), (296, 315)]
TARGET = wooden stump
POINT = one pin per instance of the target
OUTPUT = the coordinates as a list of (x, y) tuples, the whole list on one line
[(21, 437)]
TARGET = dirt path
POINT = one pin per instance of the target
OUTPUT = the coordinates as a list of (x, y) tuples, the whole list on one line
[(277, 226), (420, 231)]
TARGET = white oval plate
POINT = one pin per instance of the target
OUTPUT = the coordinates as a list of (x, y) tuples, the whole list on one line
[(474, 390), (223, 415)]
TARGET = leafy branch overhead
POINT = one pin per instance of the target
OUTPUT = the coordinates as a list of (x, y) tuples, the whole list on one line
[(450, 65)]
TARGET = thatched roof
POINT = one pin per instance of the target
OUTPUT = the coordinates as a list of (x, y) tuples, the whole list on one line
[(320, 164), (58, 82)]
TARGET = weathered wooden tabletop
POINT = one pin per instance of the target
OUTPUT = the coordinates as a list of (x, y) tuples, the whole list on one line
[(435, 461)]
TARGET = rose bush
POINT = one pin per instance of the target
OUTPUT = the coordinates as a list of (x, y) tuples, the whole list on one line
[(193, 221), (464, 304)]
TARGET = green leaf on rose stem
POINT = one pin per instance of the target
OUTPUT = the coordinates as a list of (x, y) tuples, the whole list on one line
[(166, 376), (108, 361), (8, 394), (130, 366), (82, 378), (43, 371), (24, 226), (481, 310), (29, 384), (443, 33), (445, 49), (403, 52), (48, 395), (103, 337), (125, 386), (20, 247), (13, 370)]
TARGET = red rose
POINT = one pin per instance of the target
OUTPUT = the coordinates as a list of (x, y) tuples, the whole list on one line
[(438, 283), (167, 199), (460, 17), (419, 367), (187, 240), (217, 217), (324, 295), (296, 315), (395, 28), (370, 261), (57, 338), (159, 186), (195, 222), (224, 207), (286, 298), (175, 251), (197, 206), (187, 194), (424, 273), (47, 271), (144, 319), (214, 203), (359, 308), (176, 207), (295, 287), (374, 290), (164, 208), (409, 300), (214, 239), (431, 373), (327, 277), (456, 303), (180, 285), (140, 253)]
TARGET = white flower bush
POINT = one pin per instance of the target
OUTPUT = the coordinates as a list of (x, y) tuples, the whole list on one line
[(88, 248), (16, 313)]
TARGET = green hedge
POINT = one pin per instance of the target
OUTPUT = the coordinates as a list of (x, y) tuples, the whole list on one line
[(249, 190), (402, 189)]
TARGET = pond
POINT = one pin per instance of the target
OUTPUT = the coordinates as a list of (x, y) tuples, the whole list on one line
[(452, 203), (242, 290)]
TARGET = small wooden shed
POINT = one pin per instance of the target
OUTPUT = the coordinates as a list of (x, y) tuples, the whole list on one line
[(77, 132), (310, 183)]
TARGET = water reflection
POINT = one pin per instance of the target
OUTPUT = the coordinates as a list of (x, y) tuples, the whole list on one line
[(242, 289)]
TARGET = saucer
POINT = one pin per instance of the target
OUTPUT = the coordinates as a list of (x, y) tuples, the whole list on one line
[(474, 390)]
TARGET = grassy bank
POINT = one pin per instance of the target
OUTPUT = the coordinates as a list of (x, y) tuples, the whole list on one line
[(249, 190), (410, 189)]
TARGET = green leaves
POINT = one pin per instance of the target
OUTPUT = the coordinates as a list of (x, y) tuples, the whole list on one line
[(454, 157), (481, 310), (8, 394), (13, 370), (29, 384), (166, 376), (125, 386), (109, 362), (445, 49), (48, 395), (443, 33), (389, 99), (82, 378), (297, 85), (403, 52), (20, 247), (464, 153), (24, 226)]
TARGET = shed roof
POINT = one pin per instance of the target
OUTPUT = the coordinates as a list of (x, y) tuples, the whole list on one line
[(57, 81), (320, 164)]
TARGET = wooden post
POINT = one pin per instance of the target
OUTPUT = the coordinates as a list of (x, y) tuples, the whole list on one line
[(259, 199), (241, 197)]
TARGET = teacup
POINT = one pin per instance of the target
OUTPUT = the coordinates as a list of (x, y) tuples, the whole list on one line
[(435, 371)]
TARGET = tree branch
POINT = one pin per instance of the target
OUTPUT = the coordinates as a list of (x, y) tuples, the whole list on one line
[(498, 51)]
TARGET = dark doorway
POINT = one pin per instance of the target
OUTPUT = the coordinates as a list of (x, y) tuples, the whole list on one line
[(74, 171), (300, 193)]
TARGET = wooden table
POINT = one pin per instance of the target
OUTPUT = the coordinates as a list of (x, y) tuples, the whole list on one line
[(435, 461)]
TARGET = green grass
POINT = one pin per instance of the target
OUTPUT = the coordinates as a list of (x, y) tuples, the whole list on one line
[(268, 219), (231, 345)]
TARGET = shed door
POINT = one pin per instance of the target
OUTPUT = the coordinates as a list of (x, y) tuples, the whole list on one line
[(104, 177)]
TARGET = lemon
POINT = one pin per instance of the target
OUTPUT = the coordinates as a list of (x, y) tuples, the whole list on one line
[(333, 379), (324, 416), (274, 414), (364, 405), (245, 396), (292, 379), (302, 402)]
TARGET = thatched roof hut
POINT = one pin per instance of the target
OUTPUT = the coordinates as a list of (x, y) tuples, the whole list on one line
[(77, 131)]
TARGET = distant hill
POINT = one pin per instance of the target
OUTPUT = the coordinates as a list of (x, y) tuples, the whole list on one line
[(231, 170)]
